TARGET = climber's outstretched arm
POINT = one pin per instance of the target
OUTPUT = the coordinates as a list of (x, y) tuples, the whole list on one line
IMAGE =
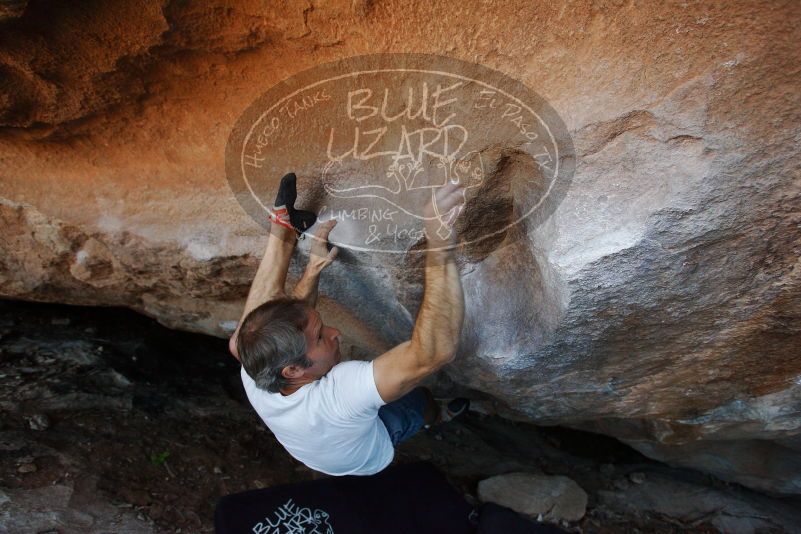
[(438, 327), (270, 278), (271, 274)]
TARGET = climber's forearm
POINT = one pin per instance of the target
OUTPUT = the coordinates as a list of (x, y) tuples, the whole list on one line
[(306, 288), (319, 259), (438, 327), (439, 321)]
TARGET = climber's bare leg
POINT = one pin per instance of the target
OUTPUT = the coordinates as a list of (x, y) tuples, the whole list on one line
[(270, 280)]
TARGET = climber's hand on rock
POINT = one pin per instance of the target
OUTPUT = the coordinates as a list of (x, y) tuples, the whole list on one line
[(319, 255), (441, 213)]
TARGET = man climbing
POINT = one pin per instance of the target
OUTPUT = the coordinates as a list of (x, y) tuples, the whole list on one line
[(344, 418)]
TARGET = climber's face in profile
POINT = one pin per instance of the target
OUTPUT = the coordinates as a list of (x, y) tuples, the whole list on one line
[(322, 344), (322, 348)]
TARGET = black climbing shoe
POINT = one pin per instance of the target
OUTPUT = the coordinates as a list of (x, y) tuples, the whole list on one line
[(451, 410), (302, 220), (455, 408), (285, 204)]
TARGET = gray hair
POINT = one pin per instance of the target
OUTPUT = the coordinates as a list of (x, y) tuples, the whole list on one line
[(271, 338)]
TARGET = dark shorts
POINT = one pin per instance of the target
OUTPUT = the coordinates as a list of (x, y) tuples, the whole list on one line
[(405, 416)]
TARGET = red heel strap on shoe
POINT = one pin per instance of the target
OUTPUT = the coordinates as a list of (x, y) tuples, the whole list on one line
[(281, 216)]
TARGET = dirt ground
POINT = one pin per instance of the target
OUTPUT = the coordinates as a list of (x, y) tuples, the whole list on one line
[(112, 423)]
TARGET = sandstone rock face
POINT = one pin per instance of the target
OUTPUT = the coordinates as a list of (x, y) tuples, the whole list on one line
[(659, 302)]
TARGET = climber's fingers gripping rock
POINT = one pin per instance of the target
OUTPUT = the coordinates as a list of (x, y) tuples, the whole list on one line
[(319, 255), (442, 211)]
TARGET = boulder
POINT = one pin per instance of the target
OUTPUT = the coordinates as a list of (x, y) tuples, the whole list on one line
[(658, 302), (543, 497)]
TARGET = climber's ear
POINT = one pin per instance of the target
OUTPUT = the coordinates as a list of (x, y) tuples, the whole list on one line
[(292, 371)]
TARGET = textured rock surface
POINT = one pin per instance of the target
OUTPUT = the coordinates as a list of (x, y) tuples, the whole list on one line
[(694, 505), (659, 304), (547, 497)]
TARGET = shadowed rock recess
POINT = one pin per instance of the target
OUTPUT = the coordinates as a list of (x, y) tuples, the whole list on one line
[(660, 303)]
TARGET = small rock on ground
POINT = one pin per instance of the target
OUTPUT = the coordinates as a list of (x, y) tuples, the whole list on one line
[(553, 497)]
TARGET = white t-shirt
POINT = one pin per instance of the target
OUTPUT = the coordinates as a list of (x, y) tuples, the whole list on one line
[(331, 424)]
